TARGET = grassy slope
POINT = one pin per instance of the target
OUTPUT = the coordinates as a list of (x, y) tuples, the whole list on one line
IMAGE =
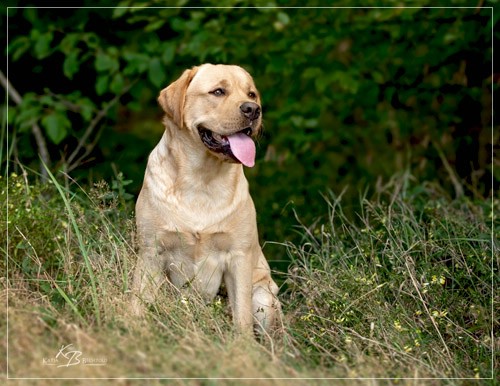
[(404, 290)]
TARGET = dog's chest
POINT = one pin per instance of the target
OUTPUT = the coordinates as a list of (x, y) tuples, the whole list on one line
[(197, 258), (199, 215), (195, 244)]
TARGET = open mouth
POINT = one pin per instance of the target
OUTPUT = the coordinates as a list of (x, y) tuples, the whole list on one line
[(238, 147)]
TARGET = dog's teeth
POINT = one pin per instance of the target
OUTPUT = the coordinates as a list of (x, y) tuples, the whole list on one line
[(219, 137)]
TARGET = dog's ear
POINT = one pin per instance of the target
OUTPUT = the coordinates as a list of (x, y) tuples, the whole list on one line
[(172, 98)]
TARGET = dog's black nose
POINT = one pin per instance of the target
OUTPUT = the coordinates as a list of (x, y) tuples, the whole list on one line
[(250, 110)]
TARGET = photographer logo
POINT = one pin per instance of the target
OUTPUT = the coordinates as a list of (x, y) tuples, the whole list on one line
[(69, 356)]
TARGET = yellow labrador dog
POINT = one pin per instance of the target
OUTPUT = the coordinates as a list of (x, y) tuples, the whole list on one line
[(196, 220)]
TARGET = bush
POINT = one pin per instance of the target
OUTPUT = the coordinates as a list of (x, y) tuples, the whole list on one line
[(410, 281)]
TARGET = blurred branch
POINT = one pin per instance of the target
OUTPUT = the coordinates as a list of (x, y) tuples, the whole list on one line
[(35, 129), (70, 165), (69, 105)]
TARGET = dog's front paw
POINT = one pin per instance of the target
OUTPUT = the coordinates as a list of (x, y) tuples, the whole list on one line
[(266, 311)]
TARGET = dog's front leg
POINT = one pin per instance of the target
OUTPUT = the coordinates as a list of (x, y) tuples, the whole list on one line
[(238, 281), (148, 277)]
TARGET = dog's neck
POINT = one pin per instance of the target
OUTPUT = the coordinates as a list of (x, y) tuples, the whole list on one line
[(192, 166)]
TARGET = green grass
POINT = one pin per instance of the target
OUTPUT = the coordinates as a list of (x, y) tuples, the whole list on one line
[(403, 290)]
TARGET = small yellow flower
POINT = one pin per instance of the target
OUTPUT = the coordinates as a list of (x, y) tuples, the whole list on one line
[(308, 316), (442, 280), (439, 314), (407, 348), (397, 325)]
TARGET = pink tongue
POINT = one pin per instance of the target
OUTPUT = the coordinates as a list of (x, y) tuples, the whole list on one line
[(243, 148)]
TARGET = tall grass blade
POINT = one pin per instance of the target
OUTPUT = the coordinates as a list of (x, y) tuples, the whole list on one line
[(83, 248)]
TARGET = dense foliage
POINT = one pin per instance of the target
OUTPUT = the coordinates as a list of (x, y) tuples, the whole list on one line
[(351, 95)]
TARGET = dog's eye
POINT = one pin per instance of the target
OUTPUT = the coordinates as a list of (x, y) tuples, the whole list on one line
[(252, 95), (218, 92)]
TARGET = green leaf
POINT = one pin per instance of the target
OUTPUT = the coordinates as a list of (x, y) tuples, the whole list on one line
[(151, 45), (56, 125), (134, 106), (283, 18), (113, 51), (311, 123), (69, 42), (11, 114), (181, 25), (102, 84), (71, 64), (18, 47), (156, 73), (42, 45), (119, 11), (312, 73), (345, 80), (155, 25), (105, 62), (168, 53), (27, 117), (87, 108), (92, 40), (136, 63), (117, 83), (378, 77)]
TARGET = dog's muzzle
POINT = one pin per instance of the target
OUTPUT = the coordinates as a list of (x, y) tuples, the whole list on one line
[(238, 147)]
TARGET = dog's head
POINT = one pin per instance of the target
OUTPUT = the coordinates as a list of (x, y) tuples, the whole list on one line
[(220, 106)]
